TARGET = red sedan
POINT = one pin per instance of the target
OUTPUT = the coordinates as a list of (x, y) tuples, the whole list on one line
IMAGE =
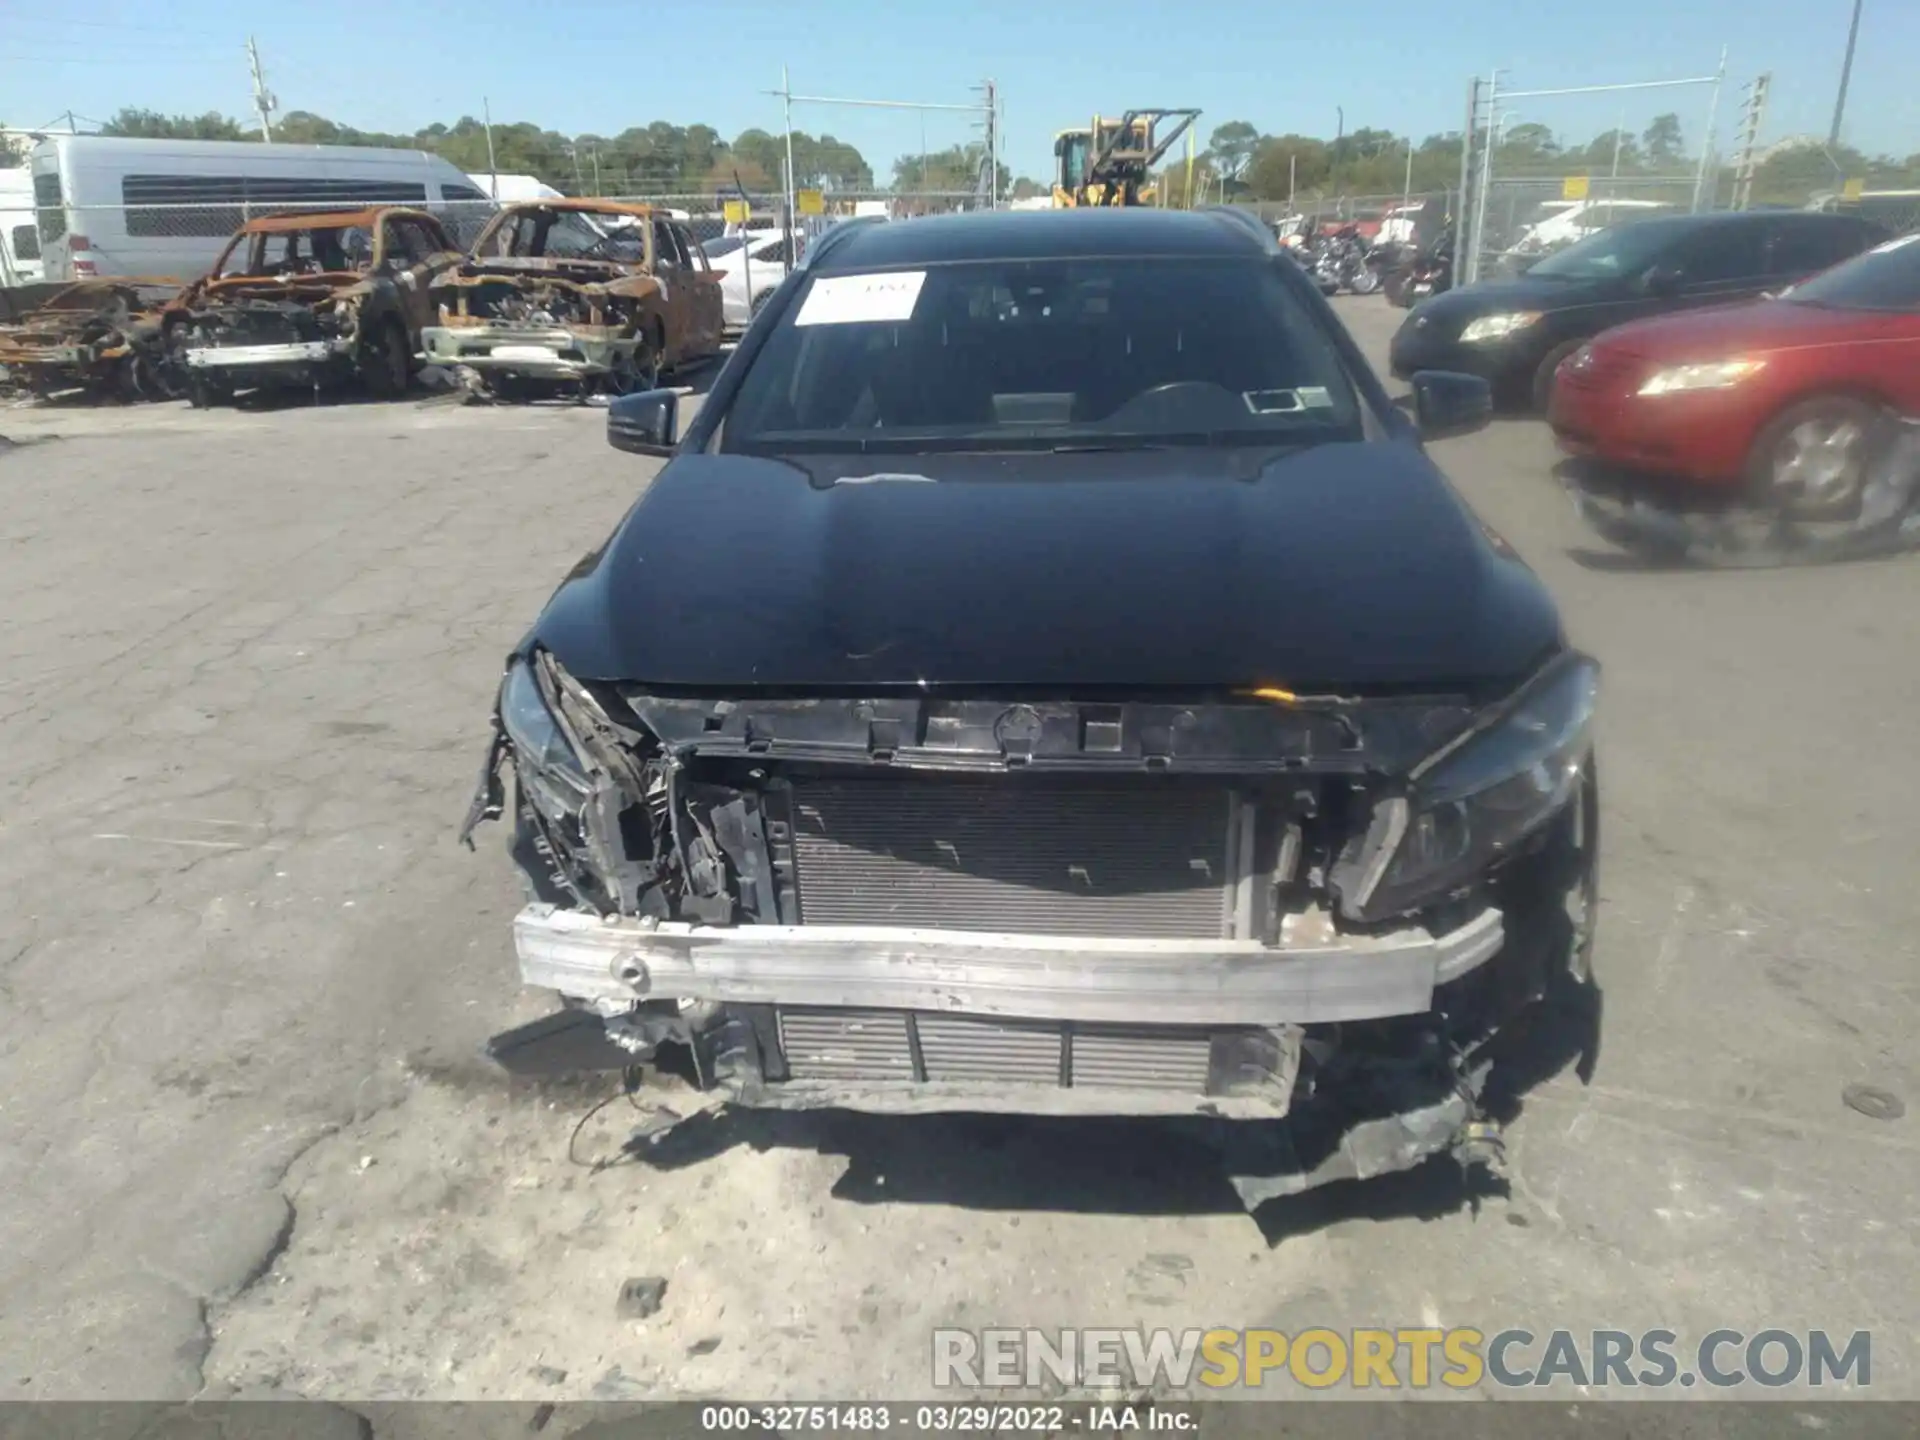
[(1776, 399)]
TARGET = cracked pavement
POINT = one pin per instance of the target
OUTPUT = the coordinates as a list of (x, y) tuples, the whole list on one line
[(246, 1145)]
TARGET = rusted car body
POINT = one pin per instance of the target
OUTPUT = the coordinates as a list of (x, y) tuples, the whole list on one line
[(313, 299), (586, 294), (103, 336)]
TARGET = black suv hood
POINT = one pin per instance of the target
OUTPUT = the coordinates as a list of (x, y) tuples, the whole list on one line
[(1342, 566)]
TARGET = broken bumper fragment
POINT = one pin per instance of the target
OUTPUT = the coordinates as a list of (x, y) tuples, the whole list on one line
[(539, 352), (287, 355)]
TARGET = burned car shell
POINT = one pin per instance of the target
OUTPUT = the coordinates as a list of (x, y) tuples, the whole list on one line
[(1059, 782), (104, 335), (319, 313), (518, 309)]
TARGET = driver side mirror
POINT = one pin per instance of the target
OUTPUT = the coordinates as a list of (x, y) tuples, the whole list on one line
[(1662, 280), (647, 423), (1446, 403)]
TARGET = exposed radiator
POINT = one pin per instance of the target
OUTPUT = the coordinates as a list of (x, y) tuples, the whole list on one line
[(879, 1045), (1151, 859)]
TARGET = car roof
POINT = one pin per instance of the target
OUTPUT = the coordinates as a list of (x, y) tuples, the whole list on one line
[(589, 207), (1716, 220), (1035, 235), (327, 219)]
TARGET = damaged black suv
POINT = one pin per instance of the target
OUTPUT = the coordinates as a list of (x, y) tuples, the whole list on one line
[(1051, 677)]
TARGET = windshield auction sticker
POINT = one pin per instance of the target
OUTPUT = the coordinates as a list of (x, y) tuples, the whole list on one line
[(862, 299)]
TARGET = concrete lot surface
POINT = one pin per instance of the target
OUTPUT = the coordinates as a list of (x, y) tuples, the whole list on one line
[(247, 1146)]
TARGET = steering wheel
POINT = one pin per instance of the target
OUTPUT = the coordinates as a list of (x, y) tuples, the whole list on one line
[(1161, 397)]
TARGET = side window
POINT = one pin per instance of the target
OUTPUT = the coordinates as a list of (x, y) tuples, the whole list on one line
[(682, 251), (1720, 253), (431, 239), (26, 243), (665, 253), (774, 254), (1804, 247), (408, 242)]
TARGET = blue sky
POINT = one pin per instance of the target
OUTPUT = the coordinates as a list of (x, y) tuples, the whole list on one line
[(596, 65)]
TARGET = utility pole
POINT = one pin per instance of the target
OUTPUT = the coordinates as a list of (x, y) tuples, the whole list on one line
[(1471, 256), (1752, 119), (992, 107), (1466, 165), (493, 168), (1706, 145), (1339, 137), (1846, 74), (263, 102), (786, 96)]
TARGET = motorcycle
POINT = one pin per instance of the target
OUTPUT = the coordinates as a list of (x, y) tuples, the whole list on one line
[(1426, 272), (1349, 251), (1339, 262)]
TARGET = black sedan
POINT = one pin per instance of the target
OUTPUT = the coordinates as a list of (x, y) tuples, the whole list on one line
[(1049, 676), (1515, 333)]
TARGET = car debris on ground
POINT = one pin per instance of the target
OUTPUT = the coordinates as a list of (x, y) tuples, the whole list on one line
[(101, 337), (312, 299), (575, 297)]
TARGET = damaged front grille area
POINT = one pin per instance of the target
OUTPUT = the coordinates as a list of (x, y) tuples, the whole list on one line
[(963, 903), (984, 853), (884, 1045), (1149, 821)]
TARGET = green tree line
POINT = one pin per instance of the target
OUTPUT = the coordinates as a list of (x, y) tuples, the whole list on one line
[(659, 158), (1242, 163)]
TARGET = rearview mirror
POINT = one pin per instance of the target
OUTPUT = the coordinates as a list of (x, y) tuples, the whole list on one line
[(1447, 402), (647, 423)]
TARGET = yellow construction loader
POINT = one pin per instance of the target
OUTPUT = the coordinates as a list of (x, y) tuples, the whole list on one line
[(1110, 162)]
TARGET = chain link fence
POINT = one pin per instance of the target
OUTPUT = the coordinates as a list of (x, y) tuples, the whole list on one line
[(1530, 216)]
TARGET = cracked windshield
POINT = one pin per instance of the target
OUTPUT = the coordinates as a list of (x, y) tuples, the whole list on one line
[(873, 735)]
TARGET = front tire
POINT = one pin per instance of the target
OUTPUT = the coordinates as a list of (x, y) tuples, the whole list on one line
[(1365, 281), (205, 394), (1811, 461), (1543, 377), (386, 364)]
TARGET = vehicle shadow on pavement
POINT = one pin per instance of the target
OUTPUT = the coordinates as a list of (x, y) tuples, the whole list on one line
[(1130, 1166)]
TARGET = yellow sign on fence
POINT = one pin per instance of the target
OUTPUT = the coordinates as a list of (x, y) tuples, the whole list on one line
[(1852, 189), (737, 212), (1574, 187), (811, 202)]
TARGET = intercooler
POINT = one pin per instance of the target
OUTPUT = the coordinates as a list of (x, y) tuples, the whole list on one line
[(893, 1045), (1152, 859)]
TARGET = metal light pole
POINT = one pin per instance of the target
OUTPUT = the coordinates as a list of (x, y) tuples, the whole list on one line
[(786, 95), (1846, 74)]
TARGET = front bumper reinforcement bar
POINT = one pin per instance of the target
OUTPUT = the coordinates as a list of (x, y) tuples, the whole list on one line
[(1044, 977)]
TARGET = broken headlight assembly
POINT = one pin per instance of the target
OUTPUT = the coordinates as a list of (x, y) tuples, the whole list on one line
[(1474, 800), (545, 760)]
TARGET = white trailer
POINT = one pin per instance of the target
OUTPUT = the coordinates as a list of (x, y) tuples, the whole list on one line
[(19, 235), (107, 205)]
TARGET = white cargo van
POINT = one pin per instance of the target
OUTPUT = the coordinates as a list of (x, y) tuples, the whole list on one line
[(114, 206), (19, 237)]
